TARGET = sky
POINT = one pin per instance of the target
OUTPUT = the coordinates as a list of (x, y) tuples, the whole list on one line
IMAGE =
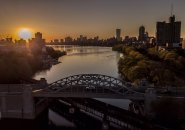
[(61, 18)]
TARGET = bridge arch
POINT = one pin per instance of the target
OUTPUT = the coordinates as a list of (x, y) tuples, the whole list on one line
[(91, 85)]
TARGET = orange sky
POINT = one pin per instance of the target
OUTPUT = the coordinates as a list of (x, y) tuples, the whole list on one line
[(61, 18)]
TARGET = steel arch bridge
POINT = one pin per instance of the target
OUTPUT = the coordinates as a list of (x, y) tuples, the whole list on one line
[(90, 86)]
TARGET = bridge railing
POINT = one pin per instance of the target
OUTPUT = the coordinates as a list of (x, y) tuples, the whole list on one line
[(15, 87)]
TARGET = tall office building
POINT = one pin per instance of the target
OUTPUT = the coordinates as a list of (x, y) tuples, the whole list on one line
[(37, 44), (118, 34), (168, 34), (38, 36), (142, 35)]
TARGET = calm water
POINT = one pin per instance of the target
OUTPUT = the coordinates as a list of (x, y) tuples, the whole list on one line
[(84, 60)]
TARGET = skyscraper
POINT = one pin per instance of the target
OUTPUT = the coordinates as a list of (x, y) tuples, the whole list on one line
[(38, 36), (37, 43), (118, 34), (142, 34), (169, 34)]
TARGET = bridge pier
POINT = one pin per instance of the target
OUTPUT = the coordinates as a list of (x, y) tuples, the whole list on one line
[(18, 105), (150, 97), (105, 123), (3, 105), (28, 104), (18, 108)]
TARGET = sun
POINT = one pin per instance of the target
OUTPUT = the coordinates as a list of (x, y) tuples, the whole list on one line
[(25, 33)]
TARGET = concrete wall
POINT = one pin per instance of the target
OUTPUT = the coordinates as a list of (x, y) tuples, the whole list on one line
[(16, 101), (11, 106)]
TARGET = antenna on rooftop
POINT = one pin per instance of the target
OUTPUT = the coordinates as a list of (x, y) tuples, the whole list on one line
[(172, 9)]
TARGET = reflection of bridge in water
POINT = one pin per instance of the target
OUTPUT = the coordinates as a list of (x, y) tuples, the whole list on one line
[(90, 86)]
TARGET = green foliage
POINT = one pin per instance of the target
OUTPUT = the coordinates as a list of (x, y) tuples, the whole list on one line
[(159, 67), (118, 47), (15, 66), (54, 53)]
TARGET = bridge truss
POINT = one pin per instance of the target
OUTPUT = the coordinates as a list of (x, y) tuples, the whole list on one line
[(90, 86)]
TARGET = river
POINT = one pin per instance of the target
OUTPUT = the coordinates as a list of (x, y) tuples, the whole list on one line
[(84, 60)]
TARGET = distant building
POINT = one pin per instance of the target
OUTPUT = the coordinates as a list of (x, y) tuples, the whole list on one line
[(183, 45), (6, 41), (82, 38), (21, 42), (10, 40), (61, 41), (37, 44), (56, 41), (126, 38), (130, 40), (96, 39), (118, 34), (143, 36), (141, 33), (169, 34), (68, 40), (111, 41), (38, 36)]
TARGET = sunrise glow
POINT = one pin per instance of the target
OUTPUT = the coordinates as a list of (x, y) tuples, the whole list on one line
[(25, 33)]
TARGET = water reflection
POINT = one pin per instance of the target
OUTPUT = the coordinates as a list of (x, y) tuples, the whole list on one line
[(83, 60)]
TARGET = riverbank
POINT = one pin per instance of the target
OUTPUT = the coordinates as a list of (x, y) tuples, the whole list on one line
[(51, 58), (16, 66)]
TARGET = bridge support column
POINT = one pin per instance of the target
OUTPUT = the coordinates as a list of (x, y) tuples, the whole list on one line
[(150, 96), (3, 108), (105, 122), (28, 104)]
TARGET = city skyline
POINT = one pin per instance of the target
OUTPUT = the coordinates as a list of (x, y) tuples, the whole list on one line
[(58, 19)]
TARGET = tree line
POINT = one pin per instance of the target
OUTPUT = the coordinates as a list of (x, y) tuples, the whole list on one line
[(162, 68), (17, 66)]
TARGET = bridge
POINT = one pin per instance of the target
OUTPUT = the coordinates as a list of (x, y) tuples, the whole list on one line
[(90, 86), (31, 101), (27, 101)]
